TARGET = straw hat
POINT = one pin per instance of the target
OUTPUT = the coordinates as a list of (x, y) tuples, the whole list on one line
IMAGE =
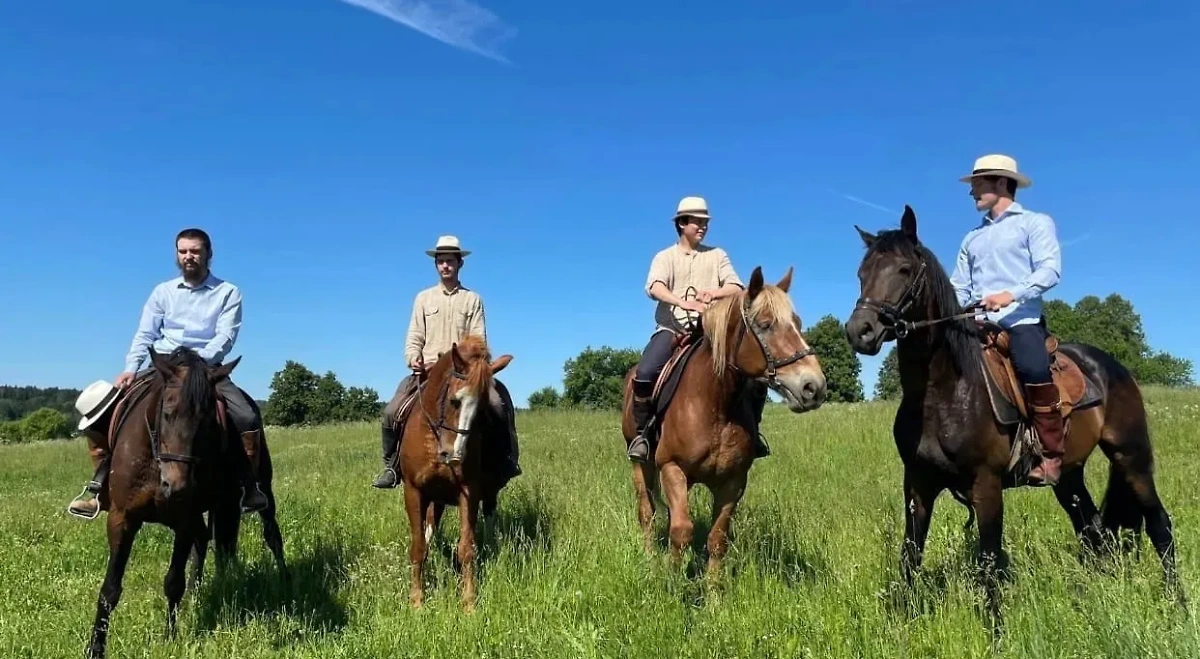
[(447, 245), (94, 401), (998, 165), (692, 207)]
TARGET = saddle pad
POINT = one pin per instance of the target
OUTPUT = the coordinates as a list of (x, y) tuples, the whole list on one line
[(1083, 391), (668, 382)]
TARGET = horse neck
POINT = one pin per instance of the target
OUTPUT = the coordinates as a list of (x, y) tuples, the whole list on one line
[(699, 374), (925, 357)]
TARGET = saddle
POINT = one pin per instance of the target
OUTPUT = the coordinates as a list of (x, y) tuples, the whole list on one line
[(130, 397), (668, 380), (1075, 389)]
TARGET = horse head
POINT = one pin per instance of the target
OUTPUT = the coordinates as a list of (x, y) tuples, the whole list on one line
[(460, 382), (185, 419), (902, 288), (776, 351)]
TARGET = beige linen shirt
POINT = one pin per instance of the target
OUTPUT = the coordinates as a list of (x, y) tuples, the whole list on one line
[(704, 269), (440, 318)]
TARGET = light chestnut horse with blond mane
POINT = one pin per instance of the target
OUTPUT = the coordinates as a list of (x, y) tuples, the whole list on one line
[(705, 434), (449, 455)]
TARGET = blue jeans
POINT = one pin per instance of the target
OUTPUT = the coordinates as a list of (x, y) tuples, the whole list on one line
[(655, 356)]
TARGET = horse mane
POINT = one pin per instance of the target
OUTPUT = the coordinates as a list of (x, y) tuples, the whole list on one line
[(197, 393), (716, 319), (961, 336), (474, 350)]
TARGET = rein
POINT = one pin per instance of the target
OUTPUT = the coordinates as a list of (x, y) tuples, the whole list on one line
[(893, 314)]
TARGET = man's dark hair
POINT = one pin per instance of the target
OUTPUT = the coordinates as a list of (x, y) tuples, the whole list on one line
[(196, 234)]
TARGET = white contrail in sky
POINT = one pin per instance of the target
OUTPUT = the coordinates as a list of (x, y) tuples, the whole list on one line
[(864, 202), (459, 23)]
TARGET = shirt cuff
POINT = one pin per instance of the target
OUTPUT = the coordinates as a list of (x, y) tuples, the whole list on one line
[(1022, 293), (132, 367)]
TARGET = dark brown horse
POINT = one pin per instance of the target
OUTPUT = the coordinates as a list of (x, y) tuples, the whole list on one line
[(452, 441), (705, 435), (946, 430), (172, 462)]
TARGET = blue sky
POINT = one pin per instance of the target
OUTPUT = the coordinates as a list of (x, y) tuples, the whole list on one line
[(325, 146)]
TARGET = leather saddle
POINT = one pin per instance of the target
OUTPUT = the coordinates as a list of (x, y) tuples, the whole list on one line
[(668, 380), (1075, 389)]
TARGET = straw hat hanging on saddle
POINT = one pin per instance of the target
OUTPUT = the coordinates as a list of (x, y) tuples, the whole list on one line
[(447, 245), (94, 401), (998, 165)]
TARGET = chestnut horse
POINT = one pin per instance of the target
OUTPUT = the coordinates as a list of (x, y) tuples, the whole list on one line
[(171, 463), (705, 435), (450, 446), (945, 430)]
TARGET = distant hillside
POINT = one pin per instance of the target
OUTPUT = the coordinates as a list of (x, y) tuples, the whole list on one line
[(16, 402)]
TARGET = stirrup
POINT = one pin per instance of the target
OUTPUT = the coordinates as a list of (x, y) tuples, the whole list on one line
[(96, 496)]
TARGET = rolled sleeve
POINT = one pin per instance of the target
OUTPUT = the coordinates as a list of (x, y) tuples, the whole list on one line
[(660, 270), (725, 272)]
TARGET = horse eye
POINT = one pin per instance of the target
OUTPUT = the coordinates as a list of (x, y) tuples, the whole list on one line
[(764, 325), (906, 270), (456, 403)]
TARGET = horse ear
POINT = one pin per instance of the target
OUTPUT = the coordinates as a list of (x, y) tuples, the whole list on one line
[(785, 283), (221, 372), (159, 362), (756, 283), (500, 363), (460, 364), (908, 223), (867, 238)]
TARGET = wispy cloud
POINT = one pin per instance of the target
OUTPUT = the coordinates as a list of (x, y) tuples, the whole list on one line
[(1076, 240), (864, 202), (459, 23)]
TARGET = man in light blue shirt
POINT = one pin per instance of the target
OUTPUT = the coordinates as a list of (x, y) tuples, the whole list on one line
[(202, 312), (1008, 262)]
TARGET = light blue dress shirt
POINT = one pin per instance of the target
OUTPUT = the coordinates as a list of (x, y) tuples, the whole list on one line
[(1016, 252), (205, 318)]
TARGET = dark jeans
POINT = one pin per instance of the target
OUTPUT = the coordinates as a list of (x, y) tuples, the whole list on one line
[(655, 356), (1027, 348)]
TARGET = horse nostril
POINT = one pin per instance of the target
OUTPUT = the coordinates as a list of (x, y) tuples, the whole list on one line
[(865, 332), (809, 391), (444, 456)]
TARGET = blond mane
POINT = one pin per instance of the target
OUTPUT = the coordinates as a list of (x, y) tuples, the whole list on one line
[(772, 301)]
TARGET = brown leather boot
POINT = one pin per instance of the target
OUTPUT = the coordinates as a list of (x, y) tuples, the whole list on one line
[(253, 498), (83, 506), (1046, 415)]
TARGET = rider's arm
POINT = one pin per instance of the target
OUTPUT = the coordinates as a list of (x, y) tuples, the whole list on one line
[(657, 281), (1044, 254), (730, 284), (961, 279), (149, 329), (229, 323), (478, 324), (414, 342)]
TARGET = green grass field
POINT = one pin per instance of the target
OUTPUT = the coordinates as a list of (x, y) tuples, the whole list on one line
[(810, 572)]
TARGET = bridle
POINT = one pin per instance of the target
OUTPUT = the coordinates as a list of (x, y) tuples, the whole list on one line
[(893, 314), (773, 364), (156, 448), (440, 424)]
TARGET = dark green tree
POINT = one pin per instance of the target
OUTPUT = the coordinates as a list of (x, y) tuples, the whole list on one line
[(299, 396), (838, 361), (545, 398), (887, 387), (594, 378)]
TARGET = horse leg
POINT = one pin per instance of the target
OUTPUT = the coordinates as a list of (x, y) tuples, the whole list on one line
[(920, 492), (987, 497), (200, 539), (271, 533), (643, 486), (676, 489), (725, 502), (121, 533), (1132, 490), (417, 544), (468, 506), (1076, 501), (175, 582)]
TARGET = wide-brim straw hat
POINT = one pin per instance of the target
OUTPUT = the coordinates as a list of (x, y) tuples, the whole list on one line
[(692, 207), (94, 401), (447, 245), (997, 164)]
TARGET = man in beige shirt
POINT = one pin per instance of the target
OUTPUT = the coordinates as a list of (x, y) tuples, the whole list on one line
[(684, 278), (442, 315)]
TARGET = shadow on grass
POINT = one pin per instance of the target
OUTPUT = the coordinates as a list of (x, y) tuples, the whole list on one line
[(235, 593)]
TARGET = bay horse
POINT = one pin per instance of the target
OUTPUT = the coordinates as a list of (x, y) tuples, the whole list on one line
[(705, 433), (170, 463), (448, 455), (946, 429)]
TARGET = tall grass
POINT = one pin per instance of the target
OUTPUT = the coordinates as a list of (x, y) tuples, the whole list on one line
[(812, 570)]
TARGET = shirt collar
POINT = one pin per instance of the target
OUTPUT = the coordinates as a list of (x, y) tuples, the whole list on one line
[(209, 282), (1013, 209), (444, 291)]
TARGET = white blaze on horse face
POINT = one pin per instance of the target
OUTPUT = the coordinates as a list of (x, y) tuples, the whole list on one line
[(469, 403)]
